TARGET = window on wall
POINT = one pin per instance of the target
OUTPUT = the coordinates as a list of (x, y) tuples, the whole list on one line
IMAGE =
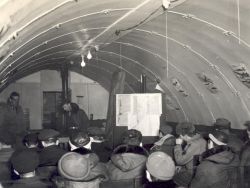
[(52, 109)]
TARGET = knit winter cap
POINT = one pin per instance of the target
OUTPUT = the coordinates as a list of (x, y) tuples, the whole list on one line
[(25, 161), (185, 128), (166, 129), (74, 166), (160, 165), (222, 123)]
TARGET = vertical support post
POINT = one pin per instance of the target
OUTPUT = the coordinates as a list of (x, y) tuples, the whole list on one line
[(143, 86), (65, 90)]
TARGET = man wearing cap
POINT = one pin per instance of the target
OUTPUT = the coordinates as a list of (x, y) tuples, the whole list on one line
[(51, 152), (160, 170), (188, 145), (77, 170), (166, 142), (219, 165), (24, 164), (234, 142)]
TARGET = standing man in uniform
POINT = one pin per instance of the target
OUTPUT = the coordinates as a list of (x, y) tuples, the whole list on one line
[(12, 124)]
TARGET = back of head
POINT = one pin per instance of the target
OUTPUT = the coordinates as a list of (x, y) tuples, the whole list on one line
[(14, 94), (74, 107), (74, 166), (25, 161), (161, 166), (132, 137), (48, 135), (79, 139), (31, 139), (185, 128), (222, 124)]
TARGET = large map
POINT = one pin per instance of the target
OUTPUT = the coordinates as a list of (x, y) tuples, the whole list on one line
[(139, 111)]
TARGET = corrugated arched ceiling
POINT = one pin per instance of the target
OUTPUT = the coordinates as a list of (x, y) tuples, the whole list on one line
[(191, 48)]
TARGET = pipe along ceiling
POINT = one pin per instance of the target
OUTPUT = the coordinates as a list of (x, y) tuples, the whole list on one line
[(197, 51)]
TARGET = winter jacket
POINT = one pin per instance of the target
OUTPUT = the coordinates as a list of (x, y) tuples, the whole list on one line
[(184, 156), (219, 168), (165, 144), (49, 156), (12, 124), (127, 162)]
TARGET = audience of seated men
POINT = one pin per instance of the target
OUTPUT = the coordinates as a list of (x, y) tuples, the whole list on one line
[(167, 141), (128, 160), (160, 171), (187, 146), (25, 163), (77, 170), (234, 142), (219, 164)]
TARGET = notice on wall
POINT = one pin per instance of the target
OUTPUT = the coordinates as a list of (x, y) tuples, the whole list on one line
[(139, 111)]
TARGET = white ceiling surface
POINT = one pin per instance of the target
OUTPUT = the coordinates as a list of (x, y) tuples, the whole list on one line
[(137, 36)]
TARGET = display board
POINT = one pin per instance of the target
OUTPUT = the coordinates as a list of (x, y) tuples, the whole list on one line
[(139, 111)]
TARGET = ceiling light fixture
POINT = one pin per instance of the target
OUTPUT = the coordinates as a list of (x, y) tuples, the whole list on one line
[(89, 56), (83, 64)]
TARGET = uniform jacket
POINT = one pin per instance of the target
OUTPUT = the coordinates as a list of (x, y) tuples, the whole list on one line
[(165, 144), (219, 168), (11, 123), (245, 163), (128, 163), (184, 156), (49, 156)]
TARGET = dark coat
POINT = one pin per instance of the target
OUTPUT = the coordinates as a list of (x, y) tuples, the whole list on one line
[(34, 182), (219, 168), (12, 124), (235, 143), (78, 118), (49, 156)]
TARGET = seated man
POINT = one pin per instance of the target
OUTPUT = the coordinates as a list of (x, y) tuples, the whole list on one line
[(234, 142), (160, 170), (51, 152), (166, 142), (245, 165), (188, 145), (218, 167), (78, 170), (24, 164), (128, 160)]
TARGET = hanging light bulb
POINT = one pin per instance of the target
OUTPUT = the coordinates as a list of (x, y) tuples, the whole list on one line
[(89, 56), (83, 64)]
